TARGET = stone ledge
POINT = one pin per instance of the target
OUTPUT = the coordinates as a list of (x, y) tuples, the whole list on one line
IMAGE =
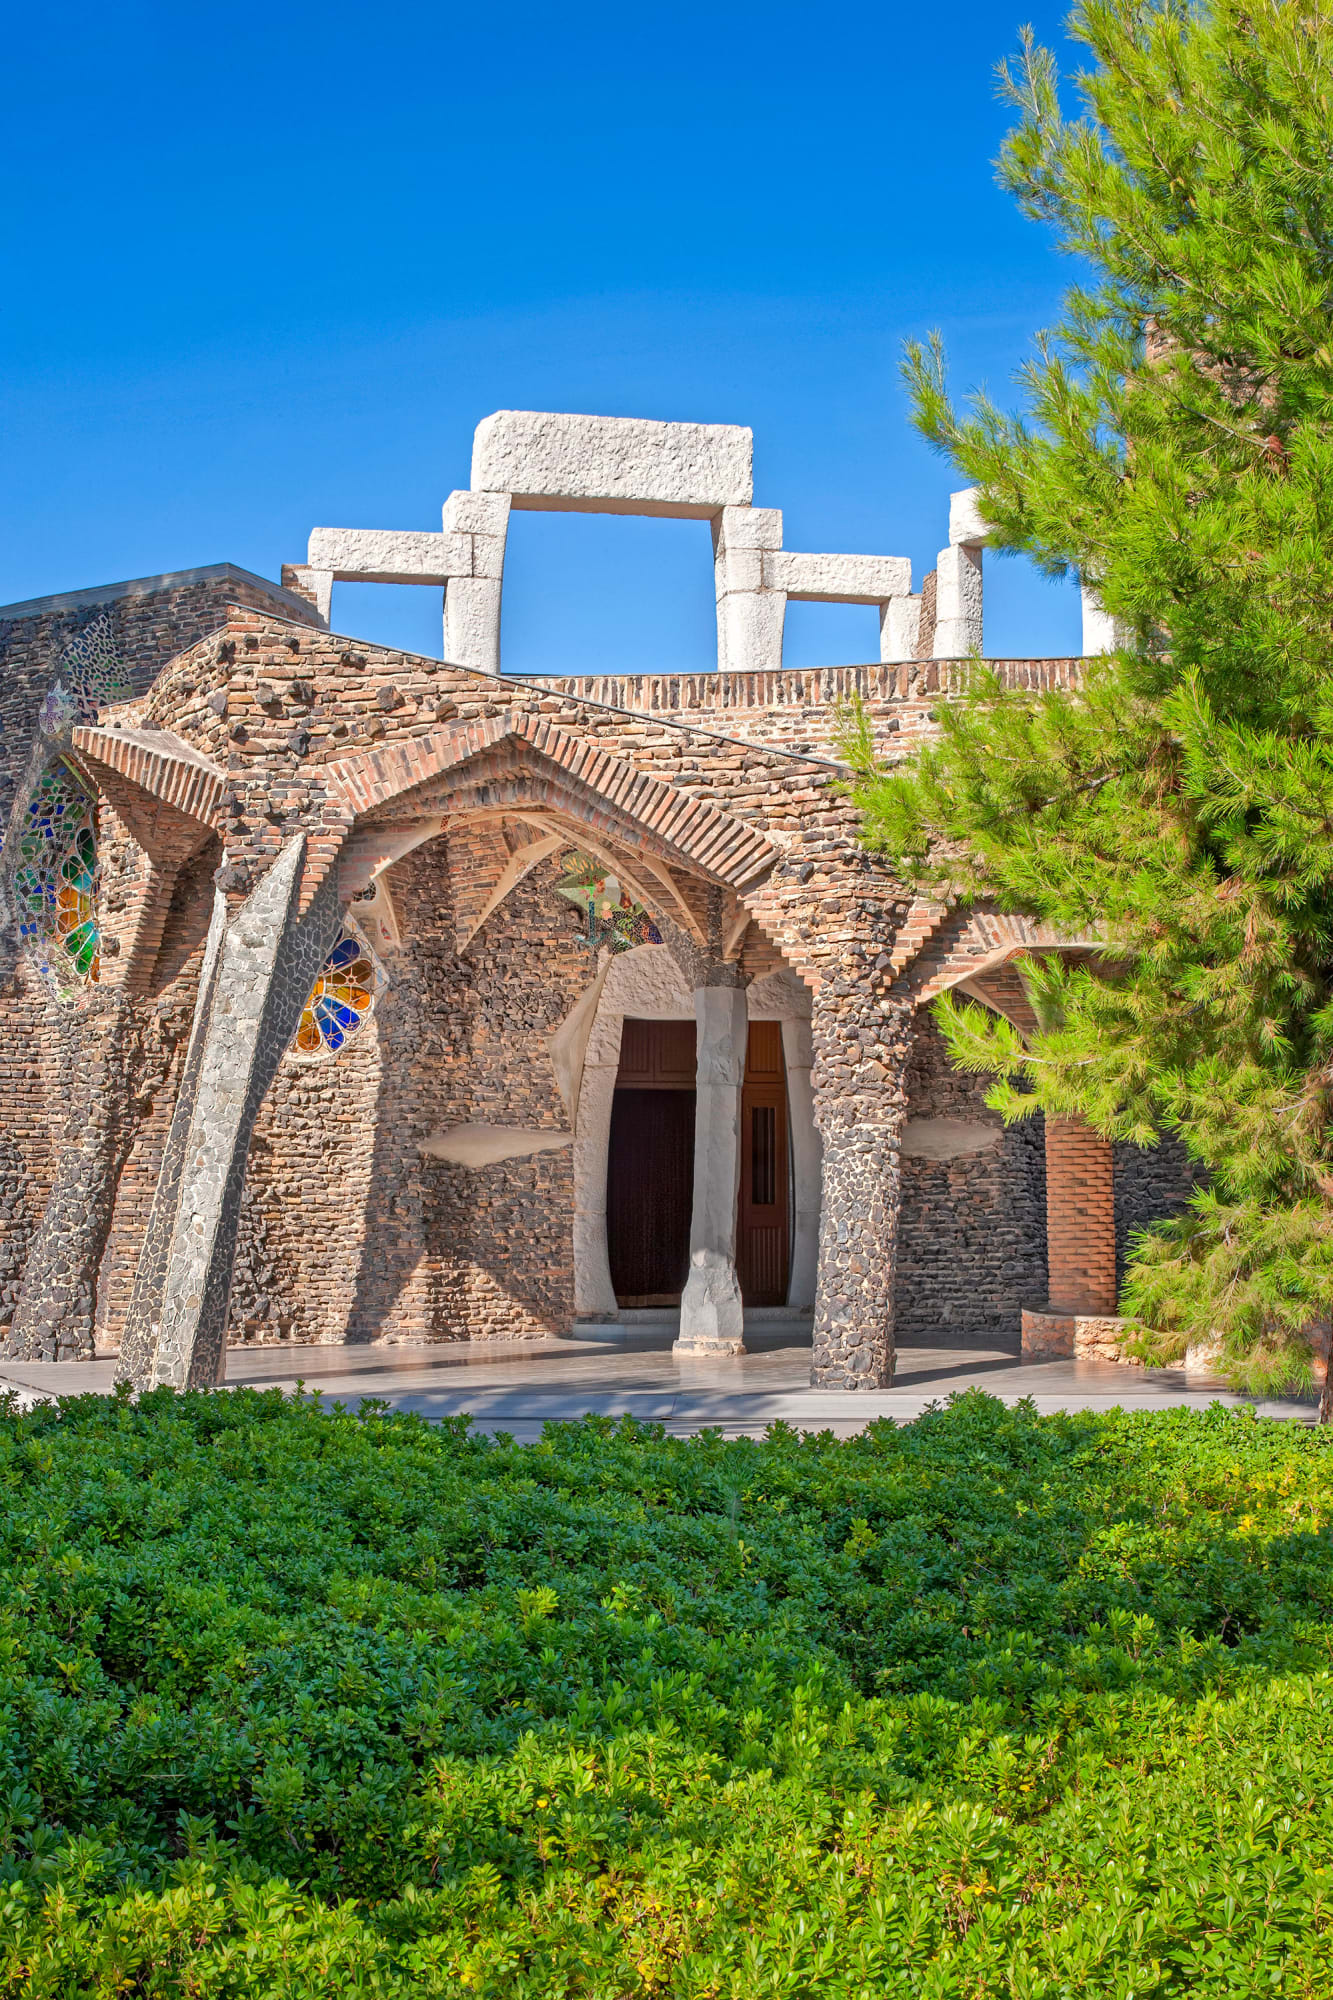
[(1059, 1336)]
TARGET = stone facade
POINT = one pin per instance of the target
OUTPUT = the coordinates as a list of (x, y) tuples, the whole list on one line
[(186, 1163)]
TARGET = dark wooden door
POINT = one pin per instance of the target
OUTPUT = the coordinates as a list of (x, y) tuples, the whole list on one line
[(650, 1164), (763, 1233)]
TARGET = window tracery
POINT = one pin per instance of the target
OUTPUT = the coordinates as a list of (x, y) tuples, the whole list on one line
[(55, 879), (341, 1000)]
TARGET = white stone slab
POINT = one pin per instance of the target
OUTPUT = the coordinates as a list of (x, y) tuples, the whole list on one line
[(948, 1138), (967, 524), (833, 579), (389, 555), (614, 465)]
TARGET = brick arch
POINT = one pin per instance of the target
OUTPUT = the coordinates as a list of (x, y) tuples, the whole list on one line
[(965, 945), (521, 759), (155, 781)]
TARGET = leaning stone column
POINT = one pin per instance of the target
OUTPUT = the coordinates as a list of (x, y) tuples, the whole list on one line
[(711, 1320), (806, 1162), (860, 1093), (262, 962), (1080, 1219)]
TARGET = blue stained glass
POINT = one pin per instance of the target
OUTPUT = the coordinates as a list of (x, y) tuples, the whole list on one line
[(342, 954), (334, 1038)]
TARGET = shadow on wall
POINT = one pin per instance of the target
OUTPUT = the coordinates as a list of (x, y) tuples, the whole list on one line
[(455, 1251)]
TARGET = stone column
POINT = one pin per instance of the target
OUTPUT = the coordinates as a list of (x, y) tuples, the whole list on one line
[(594, 1294), (807, 1163), (958, 602), (751, 608), (860, 1094), (711, 1320), (472, 602), (260, 966), (899, 628), (1080, 1219)]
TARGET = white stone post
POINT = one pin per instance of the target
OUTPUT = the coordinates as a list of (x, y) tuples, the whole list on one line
[(899, 628), (1101, 632), (958, 597), (958, 603), (807, 1164), (751, 610), (594, 1294), (711, 1320), (472, 602)]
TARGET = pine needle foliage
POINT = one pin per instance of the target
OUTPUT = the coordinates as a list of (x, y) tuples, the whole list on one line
[(1175, 450)]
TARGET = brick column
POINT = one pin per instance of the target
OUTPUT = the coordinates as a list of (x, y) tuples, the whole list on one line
[(1080, 1219)]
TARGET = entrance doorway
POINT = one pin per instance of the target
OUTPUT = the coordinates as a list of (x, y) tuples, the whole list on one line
[(763, 1232), (650, 1163)]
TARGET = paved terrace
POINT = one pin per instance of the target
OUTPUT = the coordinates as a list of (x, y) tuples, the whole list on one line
[(630, 1370)]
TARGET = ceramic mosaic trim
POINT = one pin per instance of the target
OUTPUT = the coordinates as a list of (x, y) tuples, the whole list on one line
[(55, 879), (341, 1000), (614, 919)]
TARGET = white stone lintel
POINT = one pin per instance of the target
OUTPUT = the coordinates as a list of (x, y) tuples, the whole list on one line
[(832, 579), (618, 465), (389, 555)]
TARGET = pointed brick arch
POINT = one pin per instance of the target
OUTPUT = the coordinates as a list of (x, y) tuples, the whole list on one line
[(520, 760)]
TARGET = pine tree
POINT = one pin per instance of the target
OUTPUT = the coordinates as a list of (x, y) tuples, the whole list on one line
[(1175, 451)]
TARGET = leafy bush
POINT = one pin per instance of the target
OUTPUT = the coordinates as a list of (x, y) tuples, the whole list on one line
[(297, 1701)]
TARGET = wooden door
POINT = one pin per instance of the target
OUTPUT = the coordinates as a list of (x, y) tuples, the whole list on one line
[(763, 1232), (650, 1164)]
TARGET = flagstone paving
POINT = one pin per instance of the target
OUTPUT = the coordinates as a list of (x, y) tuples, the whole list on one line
[(630, 1371)]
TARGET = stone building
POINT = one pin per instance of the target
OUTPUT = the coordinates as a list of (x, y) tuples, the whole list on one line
[(354, 995)]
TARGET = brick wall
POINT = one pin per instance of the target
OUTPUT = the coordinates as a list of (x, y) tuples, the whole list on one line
[(972, 1239)]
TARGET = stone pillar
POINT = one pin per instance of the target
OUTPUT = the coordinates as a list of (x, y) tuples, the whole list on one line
[(807, 1163), (751, 610), (1080, 1219), (594, 1294), (472, 603), (860, 1094), (1101, 632), (711, 1320), (958, 602), (260, 965), (899, 628)]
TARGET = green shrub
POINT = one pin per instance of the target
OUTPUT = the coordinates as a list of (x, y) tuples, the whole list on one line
[(297, 1701)]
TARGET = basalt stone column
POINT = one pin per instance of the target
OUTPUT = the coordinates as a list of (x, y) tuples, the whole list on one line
[(54, 1317), (862, 1043), (267, 959), (711, 1320), (1080, 1219)]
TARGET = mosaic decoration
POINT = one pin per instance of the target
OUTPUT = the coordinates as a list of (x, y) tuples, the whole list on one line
[(341, 999), (614, 919), (89, 674), (55, 878)]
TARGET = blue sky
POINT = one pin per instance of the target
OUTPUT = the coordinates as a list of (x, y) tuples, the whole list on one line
[(267, 268)]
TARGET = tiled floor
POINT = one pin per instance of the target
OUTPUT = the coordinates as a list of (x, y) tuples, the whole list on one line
[(631, 1371)]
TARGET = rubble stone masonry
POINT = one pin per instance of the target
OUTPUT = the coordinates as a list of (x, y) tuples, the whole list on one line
[(718, 799)]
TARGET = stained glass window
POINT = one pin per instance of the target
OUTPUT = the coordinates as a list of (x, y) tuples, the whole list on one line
[(55, 878), (613, 917), (341, 999)]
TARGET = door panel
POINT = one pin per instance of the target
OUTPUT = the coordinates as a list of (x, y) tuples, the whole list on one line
[(763, 1232), (649, 1189)]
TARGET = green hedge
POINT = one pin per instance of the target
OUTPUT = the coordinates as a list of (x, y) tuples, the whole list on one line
[(297, 1701)]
